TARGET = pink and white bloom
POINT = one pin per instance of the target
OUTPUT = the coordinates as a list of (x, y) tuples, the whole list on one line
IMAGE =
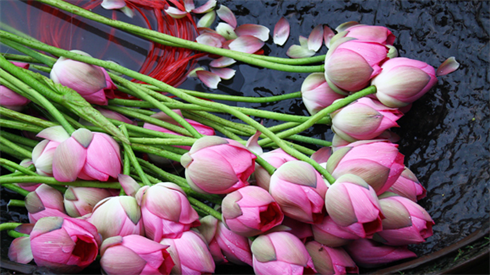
[(316, 93), (408, 186), (403, 80), (165, 210), (134, 254), (190, 254), (224, 244), (91, 82), (250, 211), (364, 119), (217, 165), (10, 99), (45, 201), (329, 260), (368, 253), (353, 204), (87, 155), (405, 221), (300, 191), (377, 162), (351, 64), (280, 253), (80, 201), (63, 245), (117, 216), (43, 152)]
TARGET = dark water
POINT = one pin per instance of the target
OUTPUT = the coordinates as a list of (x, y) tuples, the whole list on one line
[(445, 134)]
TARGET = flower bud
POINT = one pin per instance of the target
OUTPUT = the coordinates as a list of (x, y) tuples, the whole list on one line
[(280, 253), (368, 253), (402, 81), (405, 221), (190, 254), (119, 215), (331, 234), (45, 201), (218, 166), (328, 260), (10, 99), (80, 201), (90, 81), (134, 254), (364, 119), (378, 34), (352, 203), (300, 191), (165, 210), (408, 186), (250, 211), (275, 158), (316, 93)]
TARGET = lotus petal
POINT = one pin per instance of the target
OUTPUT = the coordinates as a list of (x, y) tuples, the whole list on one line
[(296, 51), (225, 14), (207, 20), (258, 31), (315, 39), (327, 35), (222, 62), (113, 4), (209, 79), (246, 44), (226, 30), (69, 159), (55, 133), (193, 72), (253, 144), (281, 31), (448, 66), (189, 5), (175, 13), (209, 39), (208, 6), (224, 73)]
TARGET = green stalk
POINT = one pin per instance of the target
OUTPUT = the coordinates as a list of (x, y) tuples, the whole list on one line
[(15, 166), (16, 188), (15, 234), (155, 151), (26, 118), (9, 225), (166, 39), (53, 181), (129, 151), (16, 203), (204, 208), (15, 147), (163, 141), (19, 139), (4, 123)]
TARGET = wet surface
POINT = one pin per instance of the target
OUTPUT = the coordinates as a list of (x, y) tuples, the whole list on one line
[(444, 137)]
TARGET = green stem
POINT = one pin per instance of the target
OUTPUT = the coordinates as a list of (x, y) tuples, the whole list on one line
[(18, 139), (163, 141), (166, 39), (129, 151), (15, 234), (204, 208), (4, 123), (26, 118), (9, 225), (15, 166), (155, 151), (15, 147), (16, 188), (17, 203)]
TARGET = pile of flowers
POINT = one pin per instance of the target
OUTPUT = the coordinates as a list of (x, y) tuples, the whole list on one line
[(94, 169)]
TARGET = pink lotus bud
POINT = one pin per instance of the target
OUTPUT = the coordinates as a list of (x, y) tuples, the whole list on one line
[(64, 245), (250, 211), (405, 221), (20, 250), (217, 165), (316, 93), (45, 201), (378, 34), (42, 157), (328, 260), (351, 64), (403, 80), (299, 229), (134, 254), (10, 99), (280, 253), (352, 203), (165, 210), (80, 201), (224, 244), (368, 253), (118, 215), (201, 128), (331, 234), (364, 119), (377, 162), (91, 82), (275, 158), (300, 191), (87, 155), (190, 254), (408, 186)]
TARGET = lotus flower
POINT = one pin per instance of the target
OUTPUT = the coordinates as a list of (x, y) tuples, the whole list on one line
[(218, 166), (45, 201), (331, 234), (80, 201), (250, 211), (280, 253), (378, 34), (402, 81), (408, 186), (329, 260), (275, 158), (368, 253), (353, 204), (165, 210), (316, 93), (90, 81), (134, 254)]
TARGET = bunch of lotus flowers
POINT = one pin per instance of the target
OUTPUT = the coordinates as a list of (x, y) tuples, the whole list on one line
[(100, 190)]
